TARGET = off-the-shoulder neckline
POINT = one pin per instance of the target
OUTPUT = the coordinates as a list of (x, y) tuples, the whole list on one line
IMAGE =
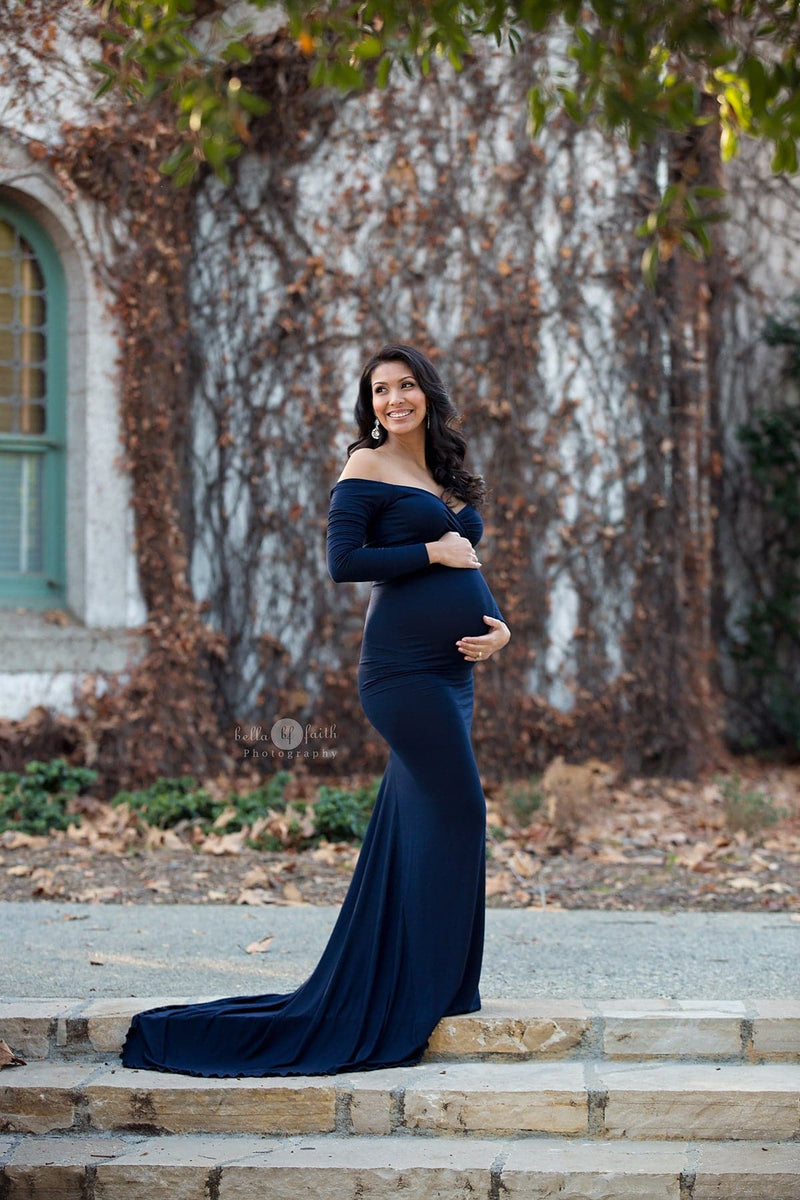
[(406, 487)]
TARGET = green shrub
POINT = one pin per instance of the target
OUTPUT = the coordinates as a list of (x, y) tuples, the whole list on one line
[(36, 801), (343, 816), (748, 811), (524, 799), (252, 806), (768, 637), (169, 801)]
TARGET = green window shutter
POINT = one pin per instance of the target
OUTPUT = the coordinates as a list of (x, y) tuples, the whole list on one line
[(33, 378)]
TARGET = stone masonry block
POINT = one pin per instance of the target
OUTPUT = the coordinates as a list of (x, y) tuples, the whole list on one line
[(27, 1024), (41, 1097), (590, 1170), (51, 1168), (128, 1099), (702, 1101), (776, 1029), (520, 1029), (128, 1181), (108, 1021), (673, 1035), (515, 1098), (373, 1168), (177, 1167), (755, 1170)]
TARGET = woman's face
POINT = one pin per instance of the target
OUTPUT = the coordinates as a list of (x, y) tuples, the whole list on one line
[(397, 398)]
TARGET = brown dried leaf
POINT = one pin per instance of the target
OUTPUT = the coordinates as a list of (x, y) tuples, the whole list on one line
[(693, 855), (155, 838), (524, 864), (225, 817), (8, 1058), (498, 885), (256, 877), (325, 854), (45, 883), (610, 856), (537, 831), (98, 895), (259, 947), (226, 843), (12, 840), (256, 897)]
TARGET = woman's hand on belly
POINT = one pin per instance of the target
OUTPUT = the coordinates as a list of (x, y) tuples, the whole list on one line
[(478, 649), (452, 550)]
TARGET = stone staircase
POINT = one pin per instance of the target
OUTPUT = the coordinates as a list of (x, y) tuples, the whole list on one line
[(610, 1100)]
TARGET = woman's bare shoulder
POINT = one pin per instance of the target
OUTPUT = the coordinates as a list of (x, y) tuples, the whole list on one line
[(362, 464)]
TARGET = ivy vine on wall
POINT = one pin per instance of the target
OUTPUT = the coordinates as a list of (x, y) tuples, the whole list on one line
[(422, 214)]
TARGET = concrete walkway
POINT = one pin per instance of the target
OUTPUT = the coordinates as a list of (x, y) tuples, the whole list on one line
[(54, 949)]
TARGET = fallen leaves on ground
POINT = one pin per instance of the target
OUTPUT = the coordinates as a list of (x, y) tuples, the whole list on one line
[(651, 844), (648, 843)]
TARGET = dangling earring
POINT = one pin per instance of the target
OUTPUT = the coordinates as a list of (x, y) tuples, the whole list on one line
[(429, 418), (376, 429)]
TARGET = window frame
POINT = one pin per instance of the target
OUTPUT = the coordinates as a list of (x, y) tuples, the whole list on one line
[(45, 588)]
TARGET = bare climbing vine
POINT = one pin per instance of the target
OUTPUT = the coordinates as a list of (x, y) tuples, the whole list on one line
[(423, 214)]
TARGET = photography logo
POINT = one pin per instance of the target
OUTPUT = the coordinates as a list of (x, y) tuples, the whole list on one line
[(286, 733)]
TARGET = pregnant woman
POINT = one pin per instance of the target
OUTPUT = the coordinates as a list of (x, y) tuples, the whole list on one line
[(407, 946)]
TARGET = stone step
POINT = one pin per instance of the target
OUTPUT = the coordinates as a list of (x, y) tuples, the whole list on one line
[(241, 1167), (755, 1031), (591, 1098)]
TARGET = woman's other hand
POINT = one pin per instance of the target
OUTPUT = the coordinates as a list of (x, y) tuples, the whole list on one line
[(478, 649), (452, 550)]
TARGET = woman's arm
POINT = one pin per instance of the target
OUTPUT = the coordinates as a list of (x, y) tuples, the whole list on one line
[(349, 560)]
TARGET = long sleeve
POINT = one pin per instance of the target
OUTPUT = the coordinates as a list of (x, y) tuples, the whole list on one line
[(349, 560)]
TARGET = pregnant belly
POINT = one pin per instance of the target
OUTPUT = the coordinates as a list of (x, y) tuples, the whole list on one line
[(414, 622)]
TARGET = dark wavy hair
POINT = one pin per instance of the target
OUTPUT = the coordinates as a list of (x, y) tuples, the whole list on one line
[(445, 447)]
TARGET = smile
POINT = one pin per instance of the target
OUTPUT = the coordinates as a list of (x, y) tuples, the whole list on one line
[(406, 412)]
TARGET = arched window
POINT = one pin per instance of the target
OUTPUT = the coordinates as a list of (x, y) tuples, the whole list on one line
[(32, 414)]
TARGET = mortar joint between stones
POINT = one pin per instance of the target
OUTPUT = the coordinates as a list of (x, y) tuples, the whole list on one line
[(343, 1112), (592, 1039), (596, 1119), (397, 1110), (496, 1185), (213, 1182), (89, 1182), (81, 1120)]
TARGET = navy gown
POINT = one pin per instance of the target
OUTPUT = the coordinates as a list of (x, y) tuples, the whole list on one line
[(407, 946)]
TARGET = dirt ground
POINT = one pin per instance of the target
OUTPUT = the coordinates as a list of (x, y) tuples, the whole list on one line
[(758, 881), (652, 844)]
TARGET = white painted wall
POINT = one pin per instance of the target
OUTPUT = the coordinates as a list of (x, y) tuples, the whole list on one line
[(102, 584)]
